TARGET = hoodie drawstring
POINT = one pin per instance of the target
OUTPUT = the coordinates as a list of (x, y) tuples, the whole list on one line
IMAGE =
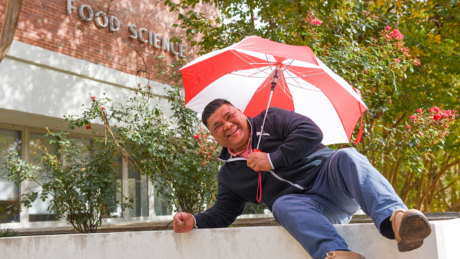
[(259, 183)]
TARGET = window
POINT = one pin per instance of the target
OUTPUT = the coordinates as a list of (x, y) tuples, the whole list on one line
[(118, 172), (39, 210), (138, 190), (9, 193), (161, 208), (132, 182)]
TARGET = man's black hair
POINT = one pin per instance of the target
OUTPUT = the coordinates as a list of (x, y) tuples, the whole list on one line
[(211, 108)]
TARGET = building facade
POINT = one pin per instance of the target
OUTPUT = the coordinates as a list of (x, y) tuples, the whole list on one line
[(63, 51)]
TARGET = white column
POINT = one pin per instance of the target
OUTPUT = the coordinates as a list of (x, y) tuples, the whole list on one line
[(151, 194), (62, 220), (124, 185), (25, 138)]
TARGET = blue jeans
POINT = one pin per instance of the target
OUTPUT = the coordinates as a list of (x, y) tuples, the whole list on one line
[(346, 182)]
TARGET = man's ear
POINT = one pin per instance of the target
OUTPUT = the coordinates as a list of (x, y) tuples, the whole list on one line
[(239, 110)]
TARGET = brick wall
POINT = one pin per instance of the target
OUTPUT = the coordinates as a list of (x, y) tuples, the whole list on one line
[(46, 24)]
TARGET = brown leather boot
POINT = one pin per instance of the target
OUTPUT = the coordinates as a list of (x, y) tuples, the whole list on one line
[(410, 227), (344, 255)]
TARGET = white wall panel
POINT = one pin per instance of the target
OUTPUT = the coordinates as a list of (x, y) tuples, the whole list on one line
[(39, 81)]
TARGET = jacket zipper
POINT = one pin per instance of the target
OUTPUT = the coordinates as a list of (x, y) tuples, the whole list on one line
[(284, 180)]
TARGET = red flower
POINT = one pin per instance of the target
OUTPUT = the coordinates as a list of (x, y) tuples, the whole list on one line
[(87, 126), (437, 116), (431, 110), (449, 112), (419, 110), (408, 126), (416, 62), (316, 22), (93, 97), (396, 34), (102, 108), (412, 117), (387, 28), (445, 115), (196, 136), (397, 61), (436, 108)]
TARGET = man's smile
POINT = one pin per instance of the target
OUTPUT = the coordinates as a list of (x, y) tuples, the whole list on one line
[(232, 132)]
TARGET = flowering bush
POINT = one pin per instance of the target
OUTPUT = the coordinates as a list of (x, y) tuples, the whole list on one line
[(429, 128), (207, 145), (312, 20), (178, 156)]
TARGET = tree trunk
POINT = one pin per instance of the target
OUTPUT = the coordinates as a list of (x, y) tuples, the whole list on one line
[(13, 9)]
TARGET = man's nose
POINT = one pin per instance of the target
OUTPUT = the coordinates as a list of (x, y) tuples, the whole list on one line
[(228, 125)]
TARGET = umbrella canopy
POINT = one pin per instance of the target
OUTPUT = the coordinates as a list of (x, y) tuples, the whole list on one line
[(243, 73)]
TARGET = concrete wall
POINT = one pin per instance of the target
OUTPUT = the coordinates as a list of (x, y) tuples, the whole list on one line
[(252, 242)]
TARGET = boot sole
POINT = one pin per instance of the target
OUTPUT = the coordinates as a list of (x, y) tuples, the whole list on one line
[(414, 229)]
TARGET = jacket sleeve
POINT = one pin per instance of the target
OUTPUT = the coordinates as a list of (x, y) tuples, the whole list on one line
[(224, 211), (300, 134)]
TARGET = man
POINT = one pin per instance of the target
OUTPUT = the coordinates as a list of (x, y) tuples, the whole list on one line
[(306, 185)]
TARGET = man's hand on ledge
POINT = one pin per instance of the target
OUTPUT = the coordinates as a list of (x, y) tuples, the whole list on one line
[(258, 161), (183, 222)]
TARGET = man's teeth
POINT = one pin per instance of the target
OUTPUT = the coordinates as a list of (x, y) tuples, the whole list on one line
[(232, 132)]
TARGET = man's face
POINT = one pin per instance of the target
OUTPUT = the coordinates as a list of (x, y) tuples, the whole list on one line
[(229, 128)]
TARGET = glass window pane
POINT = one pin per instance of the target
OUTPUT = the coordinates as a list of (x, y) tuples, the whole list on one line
[(117, 166), (138, 190), (161, 208), (39, 210), (9, 193)]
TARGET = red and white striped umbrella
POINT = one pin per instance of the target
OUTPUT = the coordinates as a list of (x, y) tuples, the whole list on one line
[(243, 73)]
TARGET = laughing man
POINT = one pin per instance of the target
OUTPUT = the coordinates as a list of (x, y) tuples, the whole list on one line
[(306, 185)]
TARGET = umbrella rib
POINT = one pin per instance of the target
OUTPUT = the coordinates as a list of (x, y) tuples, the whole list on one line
[(266, 82), (288, 65), (293, 78), (303, 74), (259, 70), (309, 75), (264, 85), (247, 57), (268, 62), (301, 87), (285, 86), (249, 62)]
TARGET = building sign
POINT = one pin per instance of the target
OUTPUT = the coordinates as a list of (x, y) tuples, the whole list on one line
[(101, 20)]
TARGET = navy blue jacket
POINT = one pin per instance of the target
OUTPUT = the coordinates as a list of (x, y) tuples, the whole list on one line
[(293, 142)]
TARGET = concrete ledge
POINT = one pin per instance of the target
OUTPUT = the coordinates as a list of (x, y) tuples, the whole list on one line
[(256, 242)]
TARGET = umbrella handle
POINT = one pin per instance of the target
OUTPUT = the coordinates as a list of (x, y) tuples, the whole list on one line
[(259, 183), (275, 79)]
